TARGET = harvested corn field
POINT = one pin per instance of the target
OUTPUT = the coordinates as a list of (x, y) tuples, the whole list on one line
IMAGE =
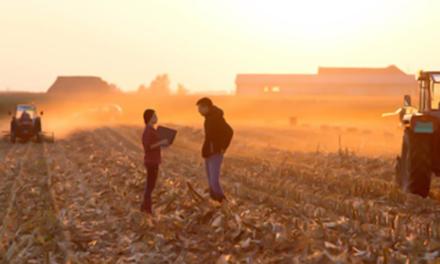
[(77, 201)]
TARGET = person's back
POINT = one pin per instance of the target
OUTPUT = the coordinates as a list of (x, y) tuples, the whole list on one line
[(218, 133)]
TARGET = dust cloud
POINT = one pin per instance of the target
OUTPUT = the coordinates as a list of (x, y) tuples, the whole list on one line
[(306, 123)]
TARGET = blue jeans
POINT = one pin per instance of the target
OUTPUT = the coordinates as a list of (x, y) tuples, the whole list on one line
[(213, 167)]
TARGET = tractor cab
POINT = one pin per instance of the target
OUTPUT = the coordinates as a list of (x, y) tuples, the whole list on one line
[(429, 97), (429, 91), (25, 115), (25, 111)]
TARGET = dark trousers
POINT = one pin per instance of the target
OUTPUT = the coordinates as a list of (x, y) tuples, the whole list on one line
[(152, 172)]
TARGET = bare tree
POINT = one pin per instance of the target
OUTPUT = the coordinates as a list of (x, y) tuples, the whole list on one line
[(160, 85), (142, 88), (181, 90)]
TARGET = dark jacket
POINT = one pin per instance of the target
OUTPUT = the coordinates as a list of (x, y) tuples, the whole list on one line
[(218, 134), (152, 156)]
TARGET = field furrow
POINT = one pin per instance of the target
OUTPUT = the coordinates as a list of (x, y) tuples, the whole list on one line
[(11, 168), (31, 229)]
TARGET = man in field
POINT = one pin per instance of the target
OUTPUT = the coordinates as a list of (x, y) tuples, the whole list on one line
[(218, 136)]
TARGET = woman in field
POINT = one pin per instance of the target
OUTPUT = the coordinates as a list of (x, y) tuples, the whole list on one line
[(152, 159)]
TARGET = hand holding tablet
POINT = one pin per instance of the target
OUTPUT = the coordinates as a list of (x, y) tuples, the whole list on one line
[(166, 133)]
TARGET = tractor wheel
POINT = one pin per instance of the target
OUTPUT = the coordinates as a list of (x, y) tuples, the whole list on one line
[(399, 171), (39, 138), (414, 167), (13, 138), (37, 125), (52, 138)]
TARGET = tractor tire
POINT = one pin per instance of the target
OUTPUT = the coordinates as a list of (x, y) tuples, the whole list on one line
[(398, 172), (37, 126), (414, 168), (52, 138), (13, 136), (39, 138)]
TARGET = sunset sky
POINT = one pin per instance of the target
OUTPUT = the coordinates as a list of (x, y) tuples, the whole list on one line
[(204, 44)]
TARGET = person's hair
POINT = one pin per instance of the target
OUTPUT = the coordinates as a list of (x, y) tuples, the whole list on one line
[(205, 101), (148, 114)]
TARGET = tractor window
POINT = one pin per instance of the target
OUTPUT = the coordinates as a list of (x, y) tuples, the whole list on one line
[(424, 96), (28, 109), (435, 103)]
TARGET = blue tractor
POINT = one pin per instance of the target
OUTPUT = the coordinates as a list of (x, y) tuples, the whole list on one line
[(26, 125)]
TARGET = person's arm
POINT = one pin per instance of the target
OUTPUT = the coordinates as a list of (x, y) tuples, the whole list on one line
[(162, 143), (216, 135), (209, 135), (151, 142)]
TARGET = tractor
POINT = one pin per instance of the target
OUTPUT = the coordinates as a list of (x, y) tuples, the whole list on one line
[(26, 125), (420, 156)]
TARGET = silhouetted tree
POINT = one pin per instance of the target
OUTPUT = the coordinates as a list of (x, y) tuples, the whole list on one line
[(114, 88), (142, 88), (181, 89), (160, 85)]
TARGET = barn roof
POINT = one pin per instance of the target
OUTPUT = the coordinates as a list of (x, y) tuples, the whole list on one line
[(78, 84), (390, 70), (391, 75)]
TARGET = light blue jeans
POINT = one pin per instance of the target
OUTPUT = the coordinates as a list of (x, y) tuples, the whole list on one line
[(213, 168)]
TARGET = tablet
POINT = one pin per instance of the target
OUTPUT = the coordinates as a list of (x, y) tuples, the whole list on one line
[(167, 133)]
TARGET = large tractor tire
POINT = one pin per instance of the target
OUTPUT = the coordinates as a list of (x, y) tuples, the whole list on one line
[(51, 138), (13, 136), (38, 125), (39, 138), (414, 166), (37, 130)]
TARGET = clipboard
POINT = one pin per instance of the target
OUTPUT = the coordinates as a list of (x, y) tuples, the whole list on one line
[(167, 133)]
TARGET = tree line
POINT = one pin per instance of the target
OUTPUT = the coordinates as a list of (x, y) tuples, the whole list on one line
[(161, 86)]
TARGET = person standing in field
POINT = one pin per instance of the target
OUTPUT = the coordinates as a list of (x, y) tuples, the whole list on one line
[(218, 136), (152, 159)]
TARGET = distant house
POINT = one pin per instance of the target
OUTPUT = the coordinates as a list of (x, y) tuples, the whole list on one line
[(339, 81), (80, 85)]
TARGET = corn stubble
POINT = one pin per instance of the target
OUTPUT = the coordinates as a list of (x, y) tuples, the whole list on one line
[(77, 201)]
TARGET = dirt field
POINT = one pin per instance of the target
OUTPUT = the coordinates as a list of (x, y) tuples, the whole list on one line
[(78, 201)]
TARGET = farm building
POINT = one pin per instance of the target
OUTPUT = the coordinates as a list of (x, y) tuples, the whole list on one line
[(80, 84), (339, 81)]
